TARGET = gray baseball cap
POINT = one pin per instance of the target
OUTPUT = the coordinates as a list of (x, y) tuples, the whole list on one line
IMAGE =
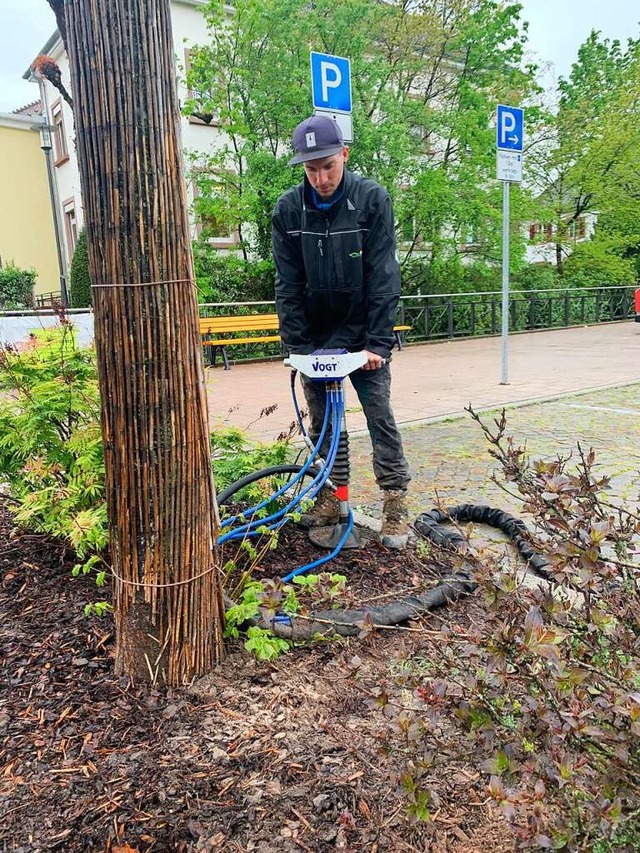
[(316, 137)]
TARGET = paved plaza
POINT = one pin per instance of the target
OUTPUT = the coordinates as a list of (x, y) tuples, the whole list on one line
[(566, 386)]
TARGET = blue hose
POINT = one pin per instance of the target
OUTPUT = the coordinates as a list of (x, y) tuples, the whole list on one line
[(335, 404), (333, 411), (322, 560), (272, 522), (252, 510)]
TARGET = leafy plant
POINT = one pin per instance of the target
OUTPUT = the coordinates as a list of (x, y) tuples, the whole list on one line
[(545, 699), (16, 287), (50, 442), (233, 457), (264, 645)]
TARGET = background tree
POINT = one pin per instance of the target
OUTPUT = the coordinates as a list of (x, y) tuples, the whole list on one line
[(79, 278), (426, 80), (585, 163), (160, 496)]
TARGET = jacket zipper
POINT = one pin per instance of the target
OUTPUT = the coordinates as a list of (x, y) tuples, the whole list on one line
[(326, 234)]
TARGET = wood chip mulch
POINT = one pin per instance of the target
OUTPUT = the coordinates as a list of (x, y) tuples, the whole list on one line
[(285, 756)]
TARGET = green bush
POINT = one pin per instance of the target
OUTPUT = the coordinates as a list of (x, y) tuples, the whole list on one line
[(80, 282), (597, 263), (16, 287), (51, 447), (50, 442), (228, 278), (536, 277)]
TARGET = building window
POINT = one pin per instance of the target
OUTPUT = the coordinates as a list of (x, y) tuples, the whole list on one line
[(548, 232), (70, 225), (582, 228), (59, 134), (534, 231), (207, 224)]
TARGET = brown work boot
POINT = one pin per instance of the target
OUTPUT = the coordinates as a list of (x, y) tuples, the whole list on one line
[(324, 513), (395, 525)]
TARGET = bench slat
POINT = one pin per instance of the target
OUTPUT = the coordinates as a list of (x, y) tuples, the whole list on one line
[(222, 325), (225, 342)]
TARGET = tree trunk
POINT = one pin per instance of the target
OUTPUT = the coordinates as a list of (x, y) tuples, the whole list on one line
[(161, 501), (559, 259)]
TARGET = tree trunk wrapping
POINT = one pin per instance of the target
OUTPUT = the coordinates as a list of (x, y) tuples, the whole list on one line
[(161, 501)]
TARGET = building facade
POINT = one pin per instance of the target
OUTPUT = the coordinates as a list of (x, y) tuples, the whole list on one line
[(188, 28), (27, 236)]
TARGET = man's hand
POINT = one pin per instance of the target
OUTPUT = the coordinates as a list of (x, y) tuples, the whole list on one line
[(374, 362)]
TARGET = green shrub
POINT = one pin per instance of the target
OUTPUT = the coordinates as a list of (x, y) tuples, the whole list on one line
[(536, 277), (228, 278), (597, 263), (16, 287), (80, 282), (233, 458), (50, 442), (51, 447)]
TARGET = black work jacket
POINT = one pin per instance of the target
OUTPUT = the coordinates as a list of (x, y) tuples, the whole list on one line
[(337, 272)]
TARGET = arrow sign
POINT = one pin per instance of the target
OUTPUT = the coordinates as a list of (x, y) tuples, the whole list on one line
[(510, 128)]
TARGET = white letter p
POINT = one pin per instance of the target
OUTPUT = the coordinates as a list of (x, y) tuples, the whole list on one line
[(329, 82)]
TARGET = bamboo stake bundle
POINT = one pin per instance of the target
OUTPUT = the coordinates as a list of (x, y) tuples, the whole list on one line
[(162, 512)]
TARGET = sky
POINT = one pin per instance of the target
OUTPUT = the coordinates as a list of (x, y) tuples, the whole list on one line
[(556, 29)]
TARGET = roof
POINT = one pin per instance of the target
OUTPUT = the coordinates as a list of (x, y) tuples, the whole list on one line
[(35, 108), (18, 122)]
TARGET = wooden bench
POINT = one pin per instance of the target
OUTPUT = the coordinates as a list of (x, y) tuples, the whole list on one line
[(215, 333)]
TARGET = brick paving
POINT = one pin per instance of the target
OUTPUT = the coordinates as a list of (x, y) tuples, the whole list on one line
[(565, 386), (449, 459)]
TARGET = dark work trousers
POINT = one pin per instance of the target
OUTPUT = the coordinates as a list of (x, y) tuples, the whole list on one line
[(373, 388)]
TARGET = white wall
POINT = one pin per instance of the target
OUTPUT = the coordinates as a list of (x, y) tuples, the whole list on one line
[(17, 330)]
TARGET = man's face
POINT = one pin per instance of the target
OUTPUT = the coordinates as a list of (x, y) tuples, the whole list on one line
[(325, 174)]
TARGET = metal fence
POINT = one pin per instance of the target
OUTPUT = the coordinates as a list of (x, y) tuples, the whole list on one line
[(456, 315), (462, 315)]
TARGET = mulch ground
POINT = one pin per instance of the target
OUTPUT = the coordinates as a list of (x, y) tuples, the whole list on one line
[(285, 756)]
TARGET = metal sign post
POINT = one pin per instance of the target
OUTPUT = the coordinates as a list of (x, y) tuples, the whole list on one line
[(509, 144), (504, 375), (331, 90)]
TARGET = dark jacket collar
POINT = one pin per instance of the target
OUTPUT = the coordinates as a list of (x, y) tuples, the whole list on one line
[(307, 202)]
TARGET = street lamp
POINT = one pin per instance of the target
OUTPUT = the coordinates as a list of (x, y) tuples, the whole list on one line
[(46, 140), (46, 143)]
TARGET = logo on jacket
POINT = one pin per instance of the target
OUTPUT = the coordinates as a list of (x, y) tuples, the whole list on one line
[(356, 254)]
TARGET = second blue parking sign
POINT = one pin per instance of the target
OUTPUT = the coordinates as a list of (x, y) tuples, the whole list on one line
[(510, 128)]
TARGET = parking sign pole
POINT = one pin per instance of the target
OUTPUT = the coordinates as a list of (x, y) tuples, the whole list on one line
[(509, 147), (505, 283)]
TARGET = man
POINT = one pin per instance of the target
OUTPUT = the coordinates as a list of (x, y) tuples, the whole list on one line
[(337, 286)]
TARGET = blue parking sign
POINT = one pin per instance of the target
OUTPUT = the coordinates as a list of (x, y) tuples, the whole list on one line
[(510, 128), (331, 82)]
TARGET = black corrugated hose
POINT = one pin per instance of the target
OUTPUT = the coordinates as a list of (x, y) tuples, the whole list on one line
[(432, 525)]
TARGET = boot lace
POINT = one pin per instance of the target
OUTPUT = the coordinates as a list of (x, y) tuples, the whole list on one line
[(394, 514)]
